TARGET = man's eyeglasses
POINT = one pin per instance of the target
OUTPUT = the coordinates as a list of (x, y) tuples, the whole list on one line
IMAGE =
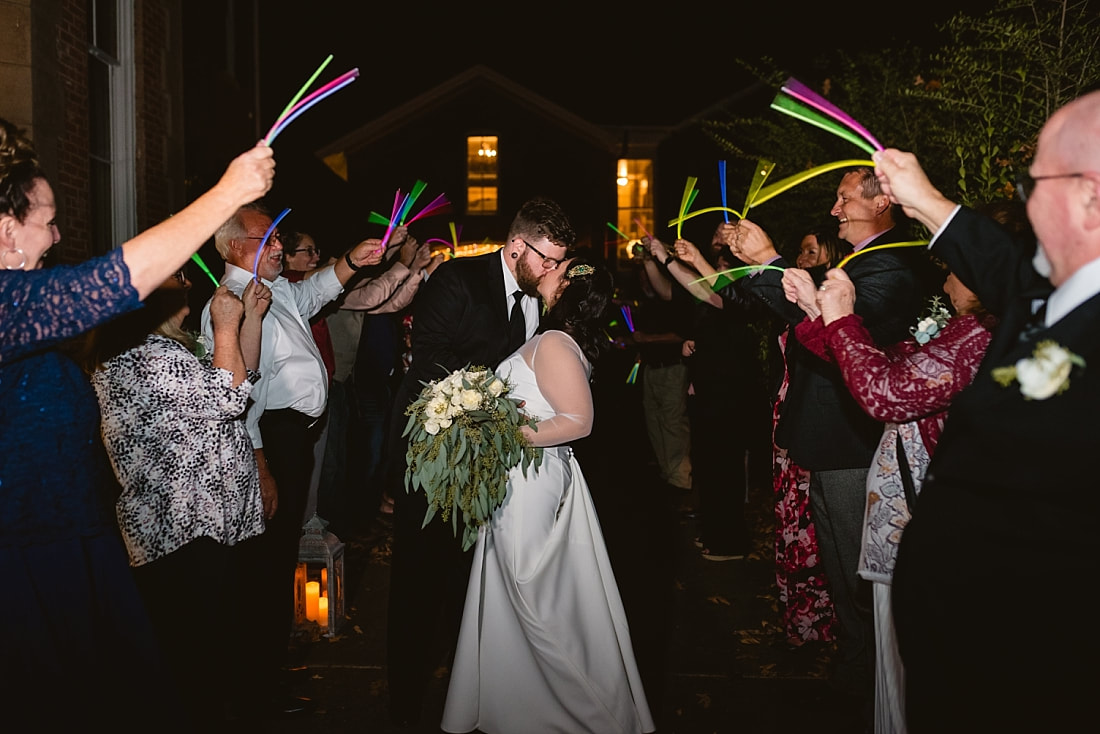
[(273, 238), (180, 276), (548, 262), (1025, 182), (310, 250)]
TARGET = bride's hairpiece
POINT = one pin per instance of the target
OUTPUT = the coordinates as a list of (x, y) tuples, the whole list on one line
[(579, 270)]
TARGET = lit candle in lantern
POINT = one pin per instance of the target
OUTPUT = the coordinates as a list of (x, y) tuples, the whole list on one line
[(313, 592), (322, 611), (324, 581)]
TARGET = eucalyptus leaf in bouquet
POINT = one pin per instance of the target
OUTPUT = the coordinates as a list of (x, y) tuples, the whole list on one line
[(464, 437)]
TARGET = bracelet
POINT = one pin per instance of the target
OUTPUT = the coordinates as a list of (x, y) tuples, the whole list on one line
[(353, 266)]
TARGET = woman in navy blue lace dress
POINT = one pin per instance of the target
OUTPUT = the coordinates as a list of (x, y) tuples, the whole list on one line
[(76, 647)]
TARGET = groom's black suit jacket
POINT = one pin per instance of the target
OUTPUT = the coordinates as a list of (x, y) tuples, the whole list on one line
[(821, 425), (1004, 532), (460, 319)]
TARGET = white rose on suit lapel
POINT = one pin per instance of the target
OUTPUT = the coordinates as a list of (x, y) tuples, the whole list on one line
[(1042, 375)]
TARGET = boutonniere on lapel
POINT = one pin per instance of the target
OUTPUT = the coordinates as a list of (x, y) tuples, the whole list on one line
[(1043, 374), (929, 327)]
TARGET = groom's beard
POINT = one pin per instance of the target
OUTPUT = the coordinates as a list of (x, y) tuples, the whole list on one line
[(1040, 262), (526, 278)]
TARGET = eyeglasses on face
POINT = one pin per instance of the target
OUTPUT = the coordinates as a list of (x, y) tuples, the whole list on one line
[(1025, 182), (273, 238), (310, 250), (180, 276), (548, 262)]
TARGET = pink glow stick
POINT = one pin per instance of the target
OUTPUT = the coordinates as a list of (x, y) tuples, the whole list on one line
[(305, 105), (800, 91)]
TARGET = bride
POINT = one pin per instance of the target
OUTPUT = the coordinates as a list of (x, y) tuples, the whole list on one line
[(544, 644)]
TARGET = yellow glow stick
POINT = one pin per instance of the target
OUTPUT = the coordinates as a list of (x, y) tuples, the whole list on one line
[(790, 182), (709, 209), (685, 203), (913, 243), (762, 170)]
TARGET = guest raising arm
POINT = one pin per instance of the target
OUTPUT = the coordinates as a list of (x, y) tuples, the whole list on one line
[(81, 623)]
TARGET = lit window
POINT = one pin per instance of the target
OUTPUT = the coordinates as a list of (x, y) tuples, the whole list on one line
[(635, 201), (481, 174)]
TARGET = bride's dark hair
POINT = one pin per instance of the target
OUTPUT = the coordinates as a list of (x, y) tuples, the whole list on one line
[(581, 308)]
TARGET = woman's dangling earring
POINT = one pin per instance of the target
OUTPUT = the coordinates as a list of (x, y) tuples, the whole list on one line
[(9, 266)]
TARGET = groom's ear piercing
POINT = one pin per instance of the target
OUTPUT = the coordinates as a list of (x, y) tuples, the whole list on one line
[(515, 255)]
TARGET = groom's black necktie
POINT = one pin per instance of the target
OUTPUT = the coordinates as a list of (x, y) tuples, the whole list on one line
[(517, 326)]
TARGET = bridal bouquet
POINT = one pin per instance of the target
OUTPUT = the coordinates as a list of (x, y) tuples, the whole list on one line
[(464, 437)]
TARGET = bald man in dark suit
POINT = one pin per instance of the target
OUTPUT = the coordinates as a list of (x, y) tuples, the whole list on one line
[(994, 568)]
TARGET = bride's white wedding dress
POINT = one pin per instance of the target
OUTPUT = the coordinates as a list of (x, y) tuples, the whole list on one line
[(544, 644)]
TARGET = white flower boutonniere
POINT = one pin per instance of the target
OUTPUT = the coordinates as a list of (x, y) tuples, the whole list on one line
[(935, 318), (1046, 373)]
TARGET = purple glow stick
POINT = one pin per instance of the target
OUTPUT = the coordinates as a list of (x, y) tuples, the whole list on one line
[(345, 77), (437, 203), (305, 105), (263, 243), (800, 91)]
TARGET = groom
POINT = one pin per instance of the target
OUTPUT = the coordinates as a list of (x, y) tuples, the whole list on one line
[(471, 312), (1002, 547)]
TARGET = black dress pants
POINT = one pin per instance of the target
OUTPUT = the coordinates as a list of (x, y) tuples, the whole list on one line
[(429, 573), (271, 558)]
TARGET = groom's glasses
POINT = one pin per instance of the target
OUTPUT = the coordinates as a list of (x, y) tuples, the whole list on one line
[(548, 262)]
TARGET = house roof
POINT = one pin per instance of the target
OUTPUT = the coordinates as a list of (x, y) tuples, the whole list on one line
[(476, 76)]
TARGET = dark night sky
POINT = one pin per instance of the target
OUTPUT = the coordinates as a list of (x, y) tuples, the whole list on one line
[(610, 63)]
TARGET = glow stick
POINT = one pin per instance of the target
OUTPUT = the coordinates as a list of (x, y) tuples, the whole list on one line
[(391, 220), (626, 315), (800, 91), (307, 105), (456, 232), (618, 231), (801, 112), (263, 242), (709, 209), (763, 170), (437, 203), (739, 272), (642, 227), (201, 264), (685, 203), (722, 183), (791, 181), (296, 97), (325, 89), (914, 243), (630, 379), (417, 188)]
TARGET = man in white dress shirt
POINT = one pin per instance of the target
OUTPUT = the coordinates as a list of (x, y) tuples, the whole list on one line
[(282, 421)]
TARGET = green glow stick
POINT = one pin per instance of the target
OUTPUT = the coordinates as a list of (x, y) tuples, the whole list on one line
[(740, 272), (618, 231), (798, 111), (201, 264), (302, 91)]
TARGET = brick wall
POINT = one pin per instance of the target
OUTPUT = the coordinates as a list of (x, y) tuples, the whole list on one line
[(70, 172)]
